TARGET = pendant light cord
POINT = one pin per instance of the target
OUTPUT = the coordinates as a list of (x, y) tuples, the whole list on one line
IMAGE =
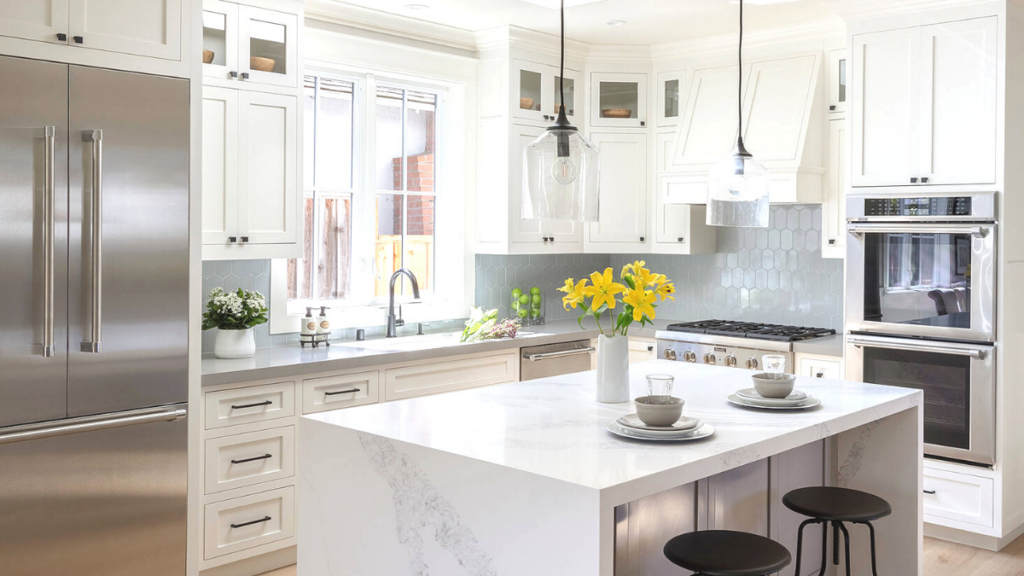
[(739, 90), (561, 69)]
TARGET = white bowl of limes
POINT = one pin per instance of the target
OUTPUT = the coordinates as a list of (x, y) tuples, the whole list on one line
[(527, 306)]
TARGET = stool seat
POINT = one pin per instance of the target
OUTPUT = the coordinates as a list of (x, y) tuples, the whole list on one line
[(727, 553), (836, 504)]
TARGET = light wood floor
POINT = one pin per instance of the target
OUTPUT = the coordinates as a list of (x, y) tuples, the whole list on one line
[(940, 559)]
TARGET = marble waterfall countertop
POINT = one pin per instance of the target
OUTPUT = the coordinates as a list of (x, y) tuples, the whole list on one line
[(553, 427)]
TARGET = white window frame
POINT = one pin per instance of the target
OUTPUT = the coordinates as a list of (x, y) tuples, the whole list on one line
[(362, 309)]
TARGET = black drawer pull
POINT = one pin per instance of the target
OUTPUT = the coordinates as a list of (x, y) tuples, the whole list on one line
[(253, 459), (251, 522), (62, 37), (341, 392), (929, 491), (240, 406), (78, 39)]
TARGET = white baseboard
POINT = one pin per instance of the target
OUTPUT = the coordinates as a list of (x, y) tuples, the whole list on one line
[(970, 538), (256, 564)]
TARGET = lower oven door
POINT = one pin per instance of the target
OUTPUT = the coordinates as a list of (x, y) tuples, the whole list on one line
[(927, 280), (958, 381)]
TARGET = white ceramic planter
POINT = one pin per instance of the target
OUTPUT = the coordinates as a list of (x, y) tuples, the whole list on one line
[(612, 369), (234, 344)]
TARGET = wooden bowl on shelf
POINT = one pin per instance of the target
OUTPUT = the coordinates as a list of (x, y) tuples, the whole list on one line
[(262, 64), (526, 103), (207, 56), (616, 113)]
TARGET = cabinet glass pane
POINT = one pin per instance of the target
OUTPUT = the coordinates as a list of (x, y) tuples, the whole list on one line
[(215, 27), (842, 80), (267, 42), (672, 99), (529, 90), (570, 96), (619, 99)]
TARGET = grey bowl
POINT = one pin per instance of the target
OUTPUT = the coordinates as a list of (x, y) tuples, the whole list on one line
[(659, 414), (774, 385)]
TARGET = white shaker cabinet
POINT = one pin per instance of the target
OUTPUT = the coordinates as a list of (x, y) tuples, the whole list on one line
[(622, 221), (40, 20), (536, 92), (151, 28), (220, 164), (924, 103), (250, 45), (833, 225)]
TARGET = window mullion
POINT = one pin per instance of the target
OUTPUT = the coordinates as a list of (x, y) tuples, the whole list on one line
[(314, 289)]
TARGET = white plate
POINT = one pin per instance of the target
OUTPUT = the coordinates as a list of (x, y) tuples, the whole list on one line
[(751, 394), (703, 431), (683, 424), (810, 402), (771, 401)]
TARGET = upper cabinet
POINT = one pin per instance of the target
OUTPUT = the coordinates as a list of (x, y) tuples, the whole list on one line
[(249, 44), (618, 100), (97, 33), (924, 105), (833, 213), (707, 131), (622, 220), (670, 92), (837, 81), (536, 88)]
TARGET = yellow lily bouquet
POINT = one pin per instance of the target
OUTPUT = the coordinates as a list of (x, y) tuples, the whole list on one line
[(639, 289)]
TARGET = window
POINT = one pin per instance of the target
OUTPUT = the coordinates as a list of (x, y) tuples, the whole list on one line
[(370, 171)]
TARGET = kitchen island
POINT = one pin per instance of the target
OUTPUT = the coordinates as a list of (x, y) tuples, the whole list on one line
[(524, 478)]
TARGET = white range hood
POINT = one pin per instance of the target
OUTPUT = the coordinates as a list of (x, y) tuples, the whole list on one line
[(784, 119)]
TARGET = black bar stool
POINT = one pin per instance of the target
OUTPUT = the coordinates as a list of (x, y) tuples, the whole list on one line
[(831, 505), (727, 553)]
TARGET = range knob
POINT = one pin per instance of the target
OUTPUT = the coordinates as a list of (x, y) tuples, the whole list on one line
[(670, 354), (730, 361), (709, 358), (751, 363), (690, 356)]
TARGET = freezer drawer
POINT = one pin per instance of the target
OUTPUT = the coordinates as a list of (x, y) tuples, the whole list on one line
[(555, 359), (96, 496)]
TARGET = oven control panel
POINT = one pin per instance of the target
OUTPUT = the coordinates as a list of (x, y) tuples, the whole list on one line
[(943, 206), (729, 356)]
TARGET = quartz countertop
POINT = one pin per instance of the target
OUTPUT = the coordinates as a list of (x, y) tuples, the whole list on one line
[(286, 361), (554, 427)]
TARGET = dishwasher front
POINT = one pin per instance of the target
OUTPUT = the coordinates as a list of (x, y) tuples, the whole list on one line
[(555, 359)]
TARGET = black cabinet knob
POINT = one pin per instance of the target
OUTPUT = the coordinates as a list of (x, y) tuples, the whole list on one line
[(831, 242), (680, 239), (233, 74), (62, 37), (832, 108), (642, 123), (245, 75), (924, 180), (245, 238), (78, 39), (913, 180), (641, 238), (232, 239)]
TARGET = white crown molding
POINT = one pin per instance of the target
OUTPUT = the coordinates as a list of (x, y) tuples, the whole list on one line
[(541, 42), (727, 42), (387, 24), (620, 53), (851, 10)]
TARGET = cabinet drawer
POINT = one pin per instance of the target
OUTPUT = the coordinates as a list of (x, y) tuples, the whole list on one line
[(247, 459), (247, 405), (331, 392), (456, 374), (959, 497), (642, 350), (250, 521), (820, 368)]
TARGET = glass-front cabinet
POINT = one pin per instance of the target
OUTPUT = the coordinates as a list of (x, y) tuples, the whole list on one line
[(248, 44), (536, 92), (837, 81), (619, 100), (671, 91)]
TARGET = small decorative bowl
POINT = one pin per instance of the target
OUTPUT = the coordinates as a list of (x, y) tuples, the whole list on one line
[(526, 103), (262, 64), (774, 385), (659, 414), (207, 56), (616, 113)]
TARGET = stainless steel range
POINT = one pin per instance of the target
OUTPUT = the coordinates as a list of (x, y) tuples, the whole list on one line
[(732, 343)]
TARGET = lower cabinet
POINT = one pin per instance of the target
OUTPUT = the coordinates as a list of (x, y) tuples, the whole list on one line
[(642, 350), (957, 498), (243, 523), (451, 374), (814, 366)]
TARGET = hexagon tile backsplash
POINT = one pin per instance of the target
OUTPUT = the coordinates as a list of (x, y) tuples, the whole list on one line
[(774, 275)]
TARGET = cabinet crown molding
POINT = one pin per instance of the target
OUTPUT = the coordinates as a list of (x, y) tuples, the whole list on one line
[(388, 24), (726, 43), (850, 10), (540, 42)]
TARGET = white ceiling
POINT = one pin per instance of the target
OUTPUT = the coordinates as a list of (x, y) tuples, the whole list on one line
[(647, 21)]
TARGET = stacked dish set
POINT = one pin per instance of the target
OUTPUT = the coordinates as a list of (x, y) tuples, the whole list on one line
[(774, 389), (659, 416)]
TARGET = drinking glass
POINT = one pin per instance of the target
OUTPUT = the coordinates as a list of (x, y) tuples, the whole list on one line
[(774, 363), (659, 387)]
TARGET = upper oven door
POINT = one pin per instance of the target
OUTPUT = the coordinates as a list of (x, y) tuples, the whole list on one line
[(958, 381), (916, 279)]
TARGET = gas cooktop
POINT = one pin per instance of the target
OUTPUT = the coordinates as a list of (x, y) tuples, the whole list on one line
[(755, 330)]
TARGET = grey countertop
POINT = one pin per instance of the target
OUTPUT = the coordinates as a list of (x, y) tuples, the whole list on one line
[(827, 346), (290, 361)]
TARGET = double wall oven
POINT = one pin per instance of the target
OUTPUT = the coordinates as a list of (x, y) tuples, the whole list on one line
[(921, 311)]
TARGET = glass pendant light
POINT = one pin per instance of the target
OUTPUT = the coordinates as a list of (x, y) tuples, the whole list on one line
[(738, 184), (560, 169)]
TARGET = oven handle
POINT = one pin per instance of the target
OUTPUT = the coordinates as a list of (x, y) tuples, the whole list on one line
[(976, 353), (973, 230)]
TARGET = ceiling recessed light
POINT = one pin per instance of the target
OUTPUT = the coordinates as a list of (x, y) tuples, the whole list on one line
[(616, 22), (416, 7), (556, 4)]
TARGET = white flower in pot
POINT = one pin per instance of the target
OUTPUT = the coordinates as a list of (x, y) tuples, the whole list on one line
[(234, 315)]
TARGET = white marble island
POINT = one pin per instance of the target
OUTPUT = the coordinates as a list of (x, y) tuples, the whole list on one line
[(524, 479)]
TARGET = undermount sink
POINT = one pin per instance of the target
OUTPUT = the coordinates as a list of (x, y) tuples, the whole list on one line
[(425, 342)]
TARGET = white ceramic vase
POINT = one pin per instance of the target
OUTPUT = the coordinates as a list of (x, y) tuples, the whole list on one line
[(612, 369), (235, 344)]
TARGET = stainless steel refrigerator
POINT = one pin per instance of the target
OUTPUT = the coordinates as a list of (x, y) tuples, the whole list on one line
[(93, 321)]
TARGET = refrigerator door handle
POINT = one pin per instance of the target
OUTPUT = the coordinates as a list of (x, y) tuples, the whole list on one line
[(48, 134), (96, 254), (39, 431)]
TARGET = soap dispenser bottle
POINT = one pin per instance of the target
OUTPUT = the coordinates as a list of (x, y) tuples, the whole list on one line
[(323, 325), (309, 323)]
